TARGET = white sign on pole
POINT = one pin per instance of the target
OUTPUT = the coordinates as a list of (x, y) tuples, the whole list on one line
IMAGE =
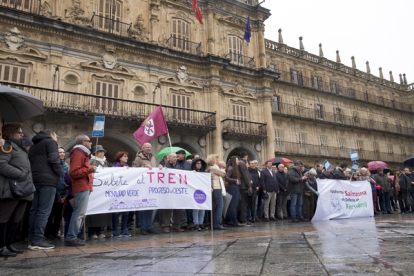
[(343, 199), (354, 156), (327, 165), (98, 127), (134, 189), (355, 167)]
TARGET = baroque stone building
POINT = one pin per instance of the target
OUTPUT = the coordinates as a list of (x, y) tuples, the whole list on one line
[(122, 58)]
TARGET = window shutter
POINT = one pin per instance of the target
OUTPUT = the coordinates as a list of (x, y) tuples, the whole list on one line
[(300, 79)]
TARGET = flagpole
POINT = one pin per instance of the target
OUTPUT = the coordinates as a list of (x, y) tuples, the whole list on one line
[(168, 134)]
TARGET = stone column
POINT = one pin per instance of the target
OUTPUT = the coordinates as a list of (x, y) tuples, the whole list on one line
[(262, 46), (217, 147), (266, 102), (210, 39)]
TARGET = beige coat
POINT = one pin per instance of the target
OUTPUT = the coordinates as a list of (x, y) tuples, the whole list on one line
[(142, 161), (215, 174)]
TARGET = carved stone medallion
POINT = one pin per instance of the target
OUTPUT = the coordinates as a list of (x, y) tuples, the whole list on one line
[(14, 39), (109, 60), (182, 74)]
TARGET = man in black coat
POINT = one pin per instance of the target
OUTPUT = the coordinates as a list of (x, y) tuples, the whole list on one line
[(46, 171), (339, 173), (295, 187), (270, 187), (326, 175), (402, 186), (281, 200), (245, 188)]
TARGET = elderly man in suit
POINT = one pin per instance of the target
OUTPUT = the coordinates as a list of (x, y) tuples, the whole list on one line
[(271, 187)]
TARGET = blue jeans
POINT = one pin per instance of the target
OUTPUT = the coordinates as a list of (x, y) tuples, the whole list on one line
[(39, 213), (296, 200), (232, 210), (385, 202), (124, 221), (217, 208), (145, 219), (79, 210), (255, 206), (198, 216)]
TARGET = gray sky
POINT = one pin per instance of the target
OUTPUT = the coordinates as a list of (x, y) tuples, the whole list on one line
[(378, 31)]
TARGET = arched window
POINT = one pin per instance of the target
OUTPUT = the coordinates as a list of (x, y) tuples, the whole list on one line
[(236, 50), (180, 35)]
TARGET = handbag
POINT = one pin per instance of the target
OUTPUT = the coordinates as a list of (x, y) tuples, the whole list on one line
[(223, 188), (21, 187), (409, 201)]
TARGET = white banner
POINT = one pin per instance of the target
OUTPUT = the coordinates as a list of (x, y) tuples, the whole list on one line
[(135, 189), (343, 199)]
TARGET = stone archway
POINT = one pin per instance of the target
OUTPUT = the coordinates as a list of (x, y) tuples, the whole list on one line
[(253, 155), (113, 142), (190, 145)]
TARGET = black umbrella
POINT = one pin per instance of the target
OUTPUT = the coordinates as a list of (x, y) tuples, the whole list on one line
[(17, 105)]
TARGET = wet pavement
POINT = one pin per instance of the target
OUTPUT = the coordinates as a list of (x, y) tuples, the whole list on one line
[(383, 245)]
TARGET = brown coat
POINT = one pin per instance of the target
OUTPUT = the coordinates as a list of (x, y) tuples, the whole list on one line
[(216, 173), (142, 161)]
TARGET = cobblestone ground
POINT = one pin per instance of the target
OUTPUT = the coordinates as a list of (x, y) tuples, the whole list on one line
[(380, 246)]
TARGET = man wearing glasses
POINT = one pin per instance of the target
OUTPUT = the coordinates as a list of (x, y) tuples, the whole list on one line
[(82, 181)]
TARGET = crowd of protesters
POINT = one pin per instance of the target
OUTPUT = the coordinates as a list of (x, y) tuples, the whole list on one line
[(56, 208)]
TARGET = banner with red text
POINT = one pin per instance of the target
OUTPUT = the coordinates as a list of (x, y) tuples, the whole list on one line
[(134, 189), (343, 199)]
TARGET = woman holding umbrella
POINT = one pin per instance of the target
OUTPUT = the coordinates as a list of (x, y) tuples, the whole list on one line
[(14, 163)]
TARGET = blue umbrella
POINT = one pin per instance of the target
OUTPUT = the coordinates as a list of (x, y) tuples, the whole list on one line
[(409, 161)]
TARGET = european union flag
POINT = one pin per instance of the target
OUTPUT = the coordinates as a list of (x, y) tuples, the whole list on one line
[(248, 32)]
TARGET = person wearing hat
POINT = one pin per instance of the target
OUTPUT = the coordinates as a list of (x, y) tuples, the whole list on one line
[(382, 180), (402, 186), (98, 157), (309, 190), (95, 222)]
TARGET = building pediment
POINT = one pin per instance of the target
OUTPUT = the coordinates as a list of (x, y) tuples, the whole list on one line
[(118, 69), (26, 52)]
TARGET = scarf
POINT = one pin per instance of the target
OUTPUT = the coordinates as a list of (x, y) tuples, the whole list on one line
[(103, 160), (148, 157), (81, 147), (397, 183), (121, 165)]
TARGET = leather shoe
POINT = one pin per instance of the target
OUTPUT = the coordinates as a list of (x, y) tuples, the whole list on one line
[(152, 231), (177, 230), (14, 250), (256, 219), (285, 217), (295, 220), (274, 219), (384, 213), (5, 252), (220, 228), (303, 219), (391, 213), (75, 242), (166, 230), (143, 231)]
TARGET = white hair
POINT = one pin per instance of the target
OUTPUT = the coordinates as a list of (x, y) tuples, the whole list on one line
[(364, 169), (280, 165)]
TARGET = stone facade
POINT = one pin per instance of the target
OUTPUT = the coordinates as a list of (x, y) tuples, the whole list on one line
[(156, 52)]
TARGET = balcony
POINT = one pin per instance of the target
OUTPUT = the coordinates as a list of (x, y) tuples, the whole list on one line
[(240, 60), (91, 105), (184, 45), (324, 151), (30, 6), (110, 25), (333, 88), (248, 130), (339, 119)]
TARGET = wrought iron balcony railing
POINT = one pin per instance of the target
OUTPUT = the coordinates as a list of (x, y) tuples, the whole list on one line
[(110, 25), (30, 6), (340, 119), (184, 45), (241, 60), (239, 128), (70, 102), (334, 88), (301, 149)]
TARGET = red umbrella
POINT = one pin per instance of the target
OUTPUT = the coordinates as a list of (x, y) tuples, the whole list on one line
[(374, 165), (278, 160)]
